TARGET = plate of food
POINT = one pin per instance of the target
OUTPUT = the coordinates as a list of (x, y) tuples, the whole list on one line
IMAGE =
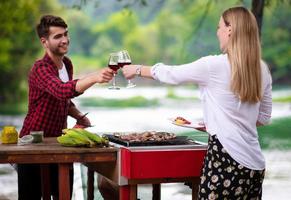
[(181, 121)]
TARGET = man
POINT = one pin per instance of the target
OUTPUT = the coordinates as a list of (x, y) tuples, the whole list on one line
[(51, 88)]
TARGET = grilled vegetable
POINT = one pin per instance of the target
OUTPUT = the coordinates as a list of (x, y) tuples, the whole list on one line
[(81, 137), (68, 140), (94, 137)]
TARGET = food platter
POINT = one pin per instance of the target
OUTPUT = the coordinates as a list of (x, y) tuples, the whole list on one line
[(196, 124)]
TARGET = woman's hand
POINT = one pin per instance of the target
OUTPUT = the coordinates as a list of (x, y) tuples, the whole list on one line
[(202, 127), (129, 71)]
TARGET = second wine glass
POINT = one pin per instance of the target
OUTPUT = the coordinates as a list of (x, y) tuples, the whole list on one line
[(113, 64), (124, 59)]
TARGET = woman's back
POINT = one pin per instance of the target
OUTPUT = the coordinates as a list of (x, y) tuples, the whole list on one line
[(234, 121)]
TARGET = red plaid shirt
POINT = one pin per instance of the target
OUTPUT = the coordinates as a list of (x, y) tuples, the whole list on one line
[(49, 98)]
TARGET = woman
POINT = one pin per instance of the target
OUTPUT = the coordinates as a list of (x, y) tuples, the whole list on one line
[(235, 91)]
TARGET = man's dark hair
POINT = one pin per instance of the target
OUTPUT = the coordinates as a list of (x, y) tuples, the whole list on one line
[(46, 22)]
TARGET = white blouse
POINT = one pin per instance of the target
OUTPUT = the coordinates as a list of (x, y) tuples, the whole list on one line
[(233, 121)]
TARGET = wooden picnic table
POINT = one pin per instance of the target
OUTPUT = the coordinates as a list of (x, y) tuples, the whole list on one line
[(50, 151)]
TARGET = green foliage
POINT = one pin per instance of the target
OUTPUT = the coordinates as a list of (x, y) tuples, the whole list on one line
[(277, 41), (137, 101), (85, 63), (161, 31), (182, 32), (19, 45), (111, 35), (83, 38), (13, 108)]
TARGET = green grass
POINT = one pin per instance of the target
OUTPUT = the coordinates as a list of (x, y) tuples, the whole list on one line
[(171, 95), (276, 135), (13, 109), (136, 101), (285, 99)]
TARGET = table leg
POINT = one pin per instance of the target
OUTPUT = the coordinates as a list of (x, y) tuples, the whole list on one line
[(133, 192), (128, 192), (156, 191), (64, 181), (90, 184), (45, 181)]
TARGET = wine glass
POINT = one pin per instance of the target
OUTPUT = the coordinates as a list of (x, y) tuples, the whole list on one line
[(113, 64), (124, 59)]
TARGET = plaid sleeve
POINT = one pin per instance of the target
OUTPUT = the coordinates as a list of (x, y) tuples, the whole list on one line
[(48, 80)]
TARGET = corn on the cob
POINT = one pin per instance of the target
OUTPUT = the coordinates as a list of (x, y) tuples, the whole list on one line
[(81, 137), (96, 138)]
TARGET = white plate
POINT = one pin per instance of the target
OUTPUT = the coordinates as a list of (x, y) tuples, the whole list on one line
[(196, 124)]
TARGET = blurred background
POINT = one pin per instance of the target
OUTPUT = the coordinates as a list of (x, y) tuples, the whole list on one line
[(172, 32)]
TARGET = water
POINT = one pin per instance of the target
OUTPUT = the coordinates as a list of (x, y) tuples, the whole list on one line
[(277, 181)]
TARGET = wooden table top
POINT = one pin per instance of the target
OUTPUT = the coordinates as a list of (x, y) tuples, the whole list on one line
[(50, 151)]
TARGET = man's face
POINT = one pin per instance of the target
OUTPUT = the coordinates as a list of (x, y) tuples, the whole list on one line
[(58, 41)]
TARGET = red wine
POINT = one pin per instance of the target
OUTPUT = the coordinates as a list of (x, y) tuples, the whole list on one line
[(121, 64), (114, 67)]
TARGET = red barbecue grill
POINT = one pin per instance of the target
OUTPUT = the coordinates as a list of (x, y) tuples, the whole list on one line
[(151, 162)]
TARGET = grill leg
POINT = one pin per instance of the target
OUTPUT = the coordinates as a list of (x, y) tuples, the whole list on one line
[(156, 191), (128, 192)]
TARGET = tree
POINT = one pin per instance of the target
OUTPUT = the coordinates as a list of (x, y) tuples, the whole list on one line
[(19, 45), (276, 41), (258, 10)]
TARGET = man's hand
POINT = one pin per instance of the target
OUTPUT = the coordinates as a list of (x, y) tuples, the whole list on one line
[(105, 75), (83, 122)]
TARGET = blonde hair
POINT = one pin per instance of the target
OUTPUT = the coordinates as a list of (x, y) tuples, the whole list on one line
[(244, 53)]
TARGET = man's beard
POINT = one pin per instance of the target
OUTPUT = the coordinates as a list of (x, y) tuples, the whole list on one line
[(56, 51)]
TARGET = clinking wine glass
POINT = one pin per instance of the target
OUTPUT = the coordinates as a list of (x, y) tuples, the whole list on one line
[(124, 59), (113, 64)]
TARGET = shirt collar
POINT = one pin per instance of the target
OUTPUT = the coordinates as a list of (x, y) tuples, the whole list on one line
[(48, 59)]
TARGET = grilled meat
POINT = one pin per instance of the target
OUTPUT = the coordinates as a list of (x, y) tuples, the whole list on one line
[(146, 136)]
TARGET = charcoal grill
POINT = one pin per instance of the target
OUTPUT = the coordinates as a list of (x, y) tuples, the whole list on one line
[(153, 162)]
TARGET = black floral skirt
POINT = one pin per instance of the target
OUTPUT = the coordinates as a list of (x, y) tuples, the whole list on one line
[(224, 178)]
